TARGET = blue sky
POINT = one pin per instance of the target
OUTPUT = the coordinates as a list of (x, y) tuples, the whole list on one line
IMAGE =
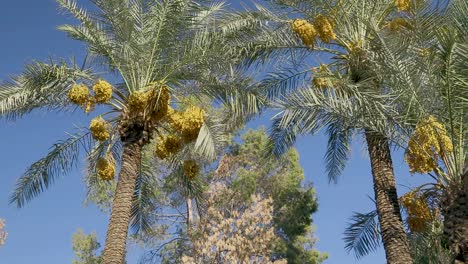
[(41, 231)]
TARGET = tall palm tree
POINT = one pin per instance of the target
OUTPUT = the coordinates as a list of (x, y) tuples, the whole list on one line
[(158, 52), (453, 53), (443, 114), (436, 142), (358, 88)]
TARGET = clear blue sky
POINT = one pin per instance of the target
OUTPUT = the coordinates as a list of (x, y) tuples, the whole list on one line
[(41, 231)]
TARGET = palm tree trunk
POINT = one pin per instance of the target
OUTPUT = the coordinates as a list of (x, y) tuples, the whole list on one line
[(393, 233), (456, 220), (114, 250)]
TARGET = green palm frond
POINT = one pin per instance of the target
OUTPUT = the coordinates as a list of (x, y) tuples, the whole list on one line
[(211, 137), (179, 187), (281, 138), (338, 149), (428, 247), (238, 25), (62, 158), (280, 83), (89, 31), (457, 14), (101, 192), (240, 99), (193, 189), (262, 37), (362, 236), (144, 196), (313, 108), (41, 85)]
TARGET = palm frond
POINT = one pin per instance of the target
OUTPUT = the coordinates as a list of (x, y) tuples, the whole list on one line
[(428, 247), (143, 198), (280, 83), (362, 236), (338, 150), (457, 16), (41, 85), (241, 99), (281, 138), (100, 192), (212, 136), (62, 158)]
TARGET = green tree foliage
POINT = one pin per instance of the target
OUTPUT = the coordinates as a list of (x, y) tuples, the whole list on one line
[(85, 247), (245, 170)]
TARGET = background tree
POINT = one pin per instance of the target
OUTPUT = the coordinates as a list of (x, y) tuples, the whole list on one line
[(85, 247), (245, 172), (3, 233), (239, 173), (240, 234)]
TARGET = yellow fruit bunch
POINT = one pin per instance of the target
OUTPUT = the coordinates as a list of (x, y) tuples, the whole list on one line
[(398, 23), (79, 94), (102, 91), (99, 129), (157, 101), (428, 143), (403, 5), (137, 101), (187, 123), (419, 161), (424, 52), (419, 213), (323, 27), (105, 169), (191, 169), (161, 100), (306, 31), (168, 146), (319, 81)]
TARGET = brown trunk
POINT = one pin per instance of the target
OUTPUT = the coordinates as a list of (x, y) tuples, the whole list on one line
[(394, 237), (114, 250), (456, 220)]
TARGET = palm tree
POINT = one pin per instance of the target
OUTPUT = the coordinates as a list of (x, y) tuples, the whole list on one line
[(424, 228), (442, 118), (159, 52), (452, 52), (359, 86), (436, 141)]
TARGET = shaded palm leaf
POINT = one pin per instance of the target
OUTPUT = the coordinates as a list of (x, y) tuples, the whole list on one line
[(362, 236), (338, 150), (143, 198), (62, 158)]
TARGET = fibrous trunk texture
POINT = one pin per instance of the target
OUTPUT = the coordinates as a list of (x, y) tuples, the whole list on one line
[(455, 210), (394, 236), (114, 250)]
